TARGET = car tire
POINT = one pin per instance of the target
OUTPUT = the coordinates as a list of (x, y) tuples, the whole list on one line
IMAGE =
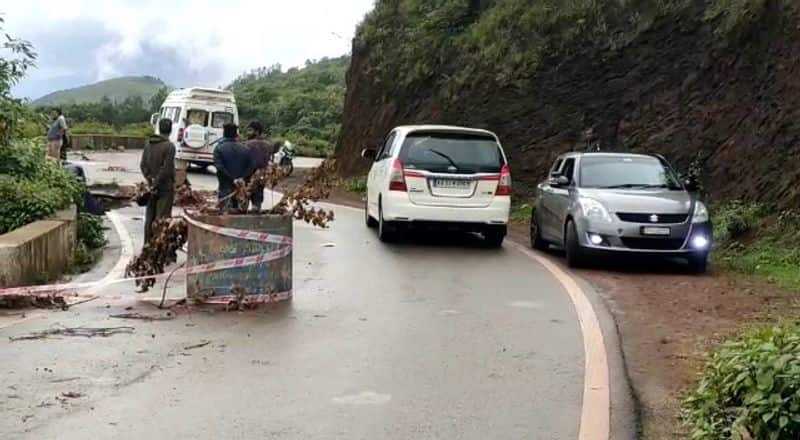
[(698, 264), (537, 242), (387, 231), (368, 219), (494, 238), (575, 254)]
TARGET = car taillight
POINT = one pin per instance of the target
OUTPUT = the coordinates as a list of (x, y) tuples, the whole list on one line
[(180, 135), (504, 185), (397, 180)]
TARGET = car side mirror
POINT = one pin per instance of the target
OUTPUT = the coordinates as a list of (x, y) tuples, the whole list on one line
[(559, 181), (691, 185), (369, 153), (153, 118)]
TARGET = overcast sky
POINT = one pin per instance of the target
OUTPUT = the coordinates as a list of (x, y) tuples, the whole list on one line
[(184, 43)]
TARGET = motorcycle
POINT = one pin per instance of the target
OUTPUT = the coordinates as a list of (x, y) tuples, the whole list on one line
[(284, 157)]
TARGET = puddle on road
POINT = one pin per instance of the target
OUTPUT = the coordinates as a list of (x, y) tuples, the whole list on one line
[(363, 398)]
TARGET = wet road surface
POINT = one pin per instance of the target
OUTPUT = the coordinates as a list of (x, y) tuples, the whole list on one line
[(437, 337)]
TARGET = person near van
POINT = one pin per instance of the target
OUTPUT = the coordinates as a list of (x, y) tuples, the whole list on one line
[(158, 168), (261, 152), (55, 134), (232, 161)]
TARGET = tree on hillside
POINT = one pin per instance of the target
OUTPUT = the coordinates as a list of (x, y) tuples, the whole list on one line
[(12, 70), (158, 99)]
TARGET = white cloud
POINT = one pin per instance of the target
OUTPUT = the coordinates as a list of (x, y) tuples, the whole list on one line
[(208, 41)]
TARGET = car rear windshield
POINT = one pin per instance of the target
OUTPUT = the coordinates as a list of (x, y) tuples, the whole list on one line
[(451, 153), (626, 172), (218, 119)]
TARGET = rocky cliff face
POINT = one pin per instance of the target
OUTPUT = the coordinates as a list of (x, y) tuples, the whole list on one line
[(732, 104)]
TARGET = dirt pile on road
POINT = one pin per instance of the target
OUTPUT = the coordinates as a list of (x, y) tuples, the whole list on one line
[(712, 81)]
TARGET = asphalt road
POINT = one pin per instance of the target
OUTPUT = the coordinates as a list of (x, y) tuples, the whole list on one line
[(433, 338)]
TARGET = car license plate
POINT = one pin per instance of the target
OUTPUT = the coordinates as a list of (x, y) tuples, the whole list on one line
[(451, 183), (654, 230)]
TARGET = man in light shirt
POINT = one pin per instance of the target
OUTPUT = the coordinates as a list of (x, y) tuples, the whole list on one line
[(55, 134)]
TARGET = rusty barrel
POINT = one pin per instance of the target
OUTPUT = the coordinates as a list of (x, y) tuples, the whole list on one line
[(267, 281)]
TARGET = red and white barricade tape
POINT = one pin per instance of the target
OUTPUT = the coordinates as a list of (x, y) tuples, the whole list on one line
[(193, 270)]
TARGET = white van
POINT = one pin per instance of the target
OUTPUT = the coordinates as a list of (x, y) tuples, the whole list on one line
[(197, 115)]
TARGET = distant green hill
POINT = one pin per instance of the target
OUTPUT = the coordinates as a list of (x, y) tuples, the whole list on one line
[(303, 105), (117, 89)]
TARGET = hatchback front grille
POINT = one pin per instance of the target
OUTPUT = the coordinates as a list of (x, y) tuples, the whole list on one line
[(656, 244), (648, 218)]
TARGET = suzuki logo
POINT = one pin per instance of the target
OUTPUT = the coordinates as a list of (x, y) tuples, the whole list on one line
[(653, 218)]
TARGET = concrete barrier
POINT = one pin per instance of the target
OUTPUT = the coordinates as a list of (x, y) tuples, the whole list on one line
[(104, 142), (38, 251)]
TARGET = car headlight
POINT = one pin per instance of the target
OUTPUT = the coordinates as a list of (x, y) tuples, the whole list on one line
[(700, 213), (594, 210)]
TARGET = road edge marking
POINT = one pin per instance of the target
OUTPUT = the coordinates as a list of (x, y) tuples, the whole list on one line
[(596, 407), (125, 254)]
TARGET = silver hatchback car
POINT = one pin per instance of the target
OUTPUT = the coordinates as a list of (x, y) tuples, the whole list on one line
[(618, 203)]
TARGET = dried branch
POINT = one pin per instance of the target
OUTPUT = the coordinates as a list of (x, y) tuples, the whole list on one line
[(169, 235)]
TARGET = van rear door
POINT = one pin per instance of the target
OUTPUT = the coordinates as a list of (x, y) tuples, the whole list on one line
[(451, 169)]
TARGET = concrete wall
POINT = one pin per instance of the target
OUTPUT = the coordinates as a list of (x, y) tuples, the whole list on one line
[(102, 142), (40, 250)]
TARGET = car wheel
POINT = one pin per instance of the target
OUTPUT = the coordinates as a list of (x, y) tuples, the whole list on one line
[(386, 230), (537, 242), (494, 238), (368, 219), (572, 246), (698, 264)]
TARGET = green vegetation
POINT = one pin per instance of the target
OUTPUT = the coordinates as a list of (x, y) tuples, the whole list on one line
[(750, 389), (117, 90), (301, 105), (91, 239), (424, 43), (31, 187), (141, 129), (752, 240), (521, 212), (356, 185)]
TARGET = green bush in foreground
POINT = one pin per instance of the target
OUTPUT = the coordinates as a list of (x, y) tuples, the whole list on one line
[(31, 187), (750, 389), (734, 218)]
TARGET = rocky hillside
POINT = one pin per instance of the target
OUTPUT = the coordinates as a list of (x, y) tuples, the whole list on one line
[(715, 81)]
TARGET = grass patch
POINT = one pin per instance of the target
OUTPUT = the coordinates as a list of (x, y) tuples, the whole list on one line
[(91, 239), (754, 241), (356, 185), (521, 211)]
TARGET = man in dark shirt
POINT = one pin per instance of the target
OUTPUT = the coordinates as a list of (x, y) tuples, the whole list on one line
[(261, 152), (158, 168), (232, 161)]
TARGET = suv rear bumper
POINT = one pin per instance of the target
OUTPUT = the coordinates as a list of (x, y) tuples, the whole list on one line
[(194, 156), (397, 207)]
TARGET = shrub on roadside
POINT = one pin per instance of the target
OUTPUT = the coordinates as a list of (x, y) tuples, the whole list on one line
[(92, 128), (734, 218), (356, 185), (750, 389), (90, 230), (31, 187)]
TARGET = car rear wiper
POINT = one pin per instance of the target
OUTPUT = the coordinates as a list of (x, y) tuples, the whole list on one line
[(446, 157)]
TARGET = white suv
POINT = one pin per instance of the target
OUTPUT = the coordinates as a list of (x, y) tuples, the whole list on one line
[(439, 176)]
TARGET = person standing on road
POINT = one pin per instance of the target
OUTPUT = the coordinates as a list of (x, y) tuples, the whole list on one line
[(261, 152), (233, 164), (55, 134), (158, 168)]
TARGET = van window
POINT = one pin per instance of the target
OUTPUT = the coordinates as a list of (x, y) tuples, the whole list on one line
[(176, 114), (197, 117), (218, 119)]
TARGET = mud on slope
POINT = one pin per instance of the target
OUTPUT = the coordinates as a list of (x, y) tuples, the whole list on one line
[(675, 90)]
